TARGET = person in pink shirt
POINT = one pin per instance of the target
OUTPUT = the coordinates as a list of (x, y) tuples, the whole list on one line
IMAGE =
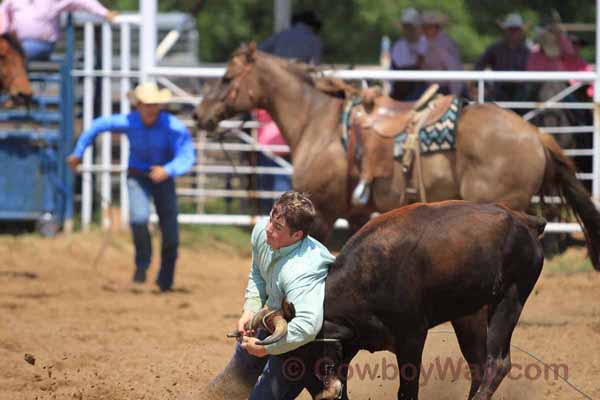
[(36, 22), (576, 62), (269, 134), (554, 47), (442, 53)]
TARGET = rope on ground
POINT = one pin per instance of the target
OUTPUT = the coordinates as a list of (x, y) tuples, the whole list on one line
[(562, 378)]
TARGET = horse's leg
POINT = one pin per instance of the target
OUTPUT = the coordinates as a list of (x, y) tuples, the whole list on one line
[(409, 352), (471, 332), (389, 193), (322, 226), (356, 222)]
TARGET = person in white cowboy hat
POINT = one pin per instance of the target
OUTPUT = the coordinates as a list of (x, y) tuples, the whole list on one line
[(442, 51), (508, 54), (160, 149), (407, 53)]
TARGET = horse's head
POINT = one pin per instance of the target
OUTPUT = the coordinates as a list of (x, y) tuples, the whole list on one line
[(13, 73), (238, 91)]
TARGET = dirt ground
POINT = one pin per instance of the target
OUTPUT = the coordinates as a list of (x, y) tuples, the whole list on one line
[(90, 341)]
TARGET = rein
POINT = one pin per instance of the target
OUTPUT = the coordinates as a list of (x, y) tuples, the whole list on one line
[(224, 150)]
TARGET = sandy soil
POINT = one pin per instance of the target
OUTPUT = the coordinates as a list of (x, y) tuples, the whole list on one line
[(90, 341)]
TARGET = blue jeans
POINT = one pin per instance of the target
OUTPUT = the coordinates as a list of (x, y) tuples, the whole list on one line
[(272, 381), (269, 182), (37, 50), (141, 189)]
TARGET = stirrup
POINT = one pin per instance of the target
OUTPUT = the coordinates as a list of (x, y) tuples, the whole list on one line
[(361, 194)]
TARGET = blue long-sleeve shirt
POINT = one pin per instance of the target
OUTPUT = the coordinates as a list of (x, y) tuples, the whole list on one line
[(166, 143)]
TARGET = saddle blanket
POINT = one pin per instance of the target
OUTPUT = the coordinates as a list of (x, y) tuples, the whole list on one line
[(437, 136)]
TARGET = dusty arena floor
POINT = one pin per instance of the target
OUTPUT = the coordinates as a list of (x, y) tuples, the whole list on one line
[(92, 339)]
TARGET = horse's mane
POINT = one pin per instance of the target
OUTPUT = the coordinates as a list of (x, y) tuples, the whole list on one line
[(309, 74), (11, 38), (327, 84), (313, 76)]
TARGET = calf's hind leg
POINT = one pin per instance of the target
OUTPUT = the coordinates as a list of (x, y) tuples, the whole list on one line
[(471, 332), (503, 318)]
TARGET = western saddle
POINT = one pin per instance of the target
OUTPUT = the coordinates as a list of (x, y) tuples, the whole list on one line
[(373, 126)]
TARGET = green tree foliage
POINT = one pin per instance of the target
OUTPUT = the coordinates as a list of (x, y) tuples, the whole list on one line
[(352, 29)]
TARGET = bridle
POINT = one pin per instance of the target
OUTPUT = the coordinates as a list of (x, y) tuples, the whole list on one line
[(234, 87)]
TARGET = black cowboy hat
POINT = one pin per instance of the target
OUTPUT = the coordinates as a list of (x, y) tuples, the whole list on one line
[(309, 17)]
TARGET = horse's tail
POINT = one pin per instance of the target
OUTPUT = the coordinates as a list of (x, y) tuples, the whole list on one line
[(560, 176)]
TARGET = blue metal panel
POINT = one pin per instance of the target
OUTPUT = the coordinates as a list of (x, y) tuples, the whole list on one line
[(45, 136), (49, 78), (34, 116), (39, 100), (67, 106), (25, 182), (35, 179)]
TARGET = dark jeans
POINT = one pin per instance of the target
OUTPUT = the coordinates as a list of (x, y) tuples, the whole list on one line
[(37, 50), (274, 379), (141, 189)]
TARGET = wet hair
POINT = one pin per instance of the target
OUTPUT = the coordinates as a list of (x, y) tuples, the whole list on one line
[(297, 210), (14, 43)]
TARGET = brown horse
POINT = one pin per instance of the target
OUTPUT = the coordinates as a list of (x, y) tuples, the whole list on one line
[(499, 157), (13, 72)]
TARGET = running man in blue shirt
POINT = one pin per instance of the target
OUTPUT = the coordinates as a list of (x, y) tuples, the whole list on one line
[(160, 148)]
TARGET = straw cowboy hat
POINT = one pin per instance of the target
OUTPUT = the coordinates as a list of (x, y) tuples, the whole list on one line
[(434, 17), (149, 93)]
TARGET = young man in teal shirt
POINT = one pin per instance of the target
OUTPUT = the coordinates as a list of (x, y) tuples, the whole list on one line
[(286, 263), (160, 148)]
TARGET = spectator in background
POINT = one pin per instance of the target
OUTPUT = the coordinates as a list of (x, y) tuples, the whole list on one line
[(36, 22), (508, 54), (301, 43), (442, 52), (575, 62), (554, 47), (408, 54)]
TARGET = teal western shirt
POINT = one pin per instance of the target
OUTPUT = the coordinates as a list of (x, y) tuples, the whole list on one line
[(296, 272)]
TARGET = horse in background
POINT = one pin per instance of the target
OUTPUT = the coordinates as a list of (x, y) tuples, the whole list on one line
[(499, 157), (13, 71)]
